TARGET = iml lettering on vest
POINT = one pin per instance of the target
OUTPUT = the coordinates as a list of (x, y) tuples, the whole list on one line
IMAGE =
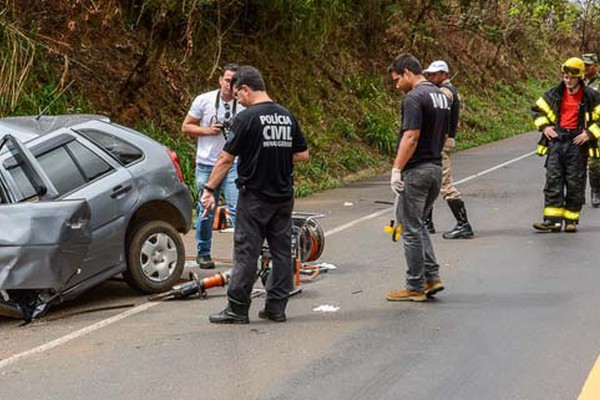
[(439, 101)]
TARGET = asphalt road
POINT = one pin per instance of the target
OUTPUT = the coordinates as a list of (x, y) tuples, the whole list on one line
[(518, 318)]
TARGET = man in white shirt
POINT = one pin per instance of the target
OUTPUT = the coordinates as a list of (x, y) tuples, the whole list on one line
[(208, 120)]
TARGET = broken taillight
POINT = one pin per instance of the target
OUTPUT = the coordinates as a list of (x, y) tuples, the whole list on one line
[(175, 160)]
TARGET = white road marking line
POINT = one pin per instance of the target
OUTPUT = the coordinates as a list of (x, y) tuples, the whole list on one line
[(487, 171), (357, 221), (389, 209), (77, 334), (143, 307)]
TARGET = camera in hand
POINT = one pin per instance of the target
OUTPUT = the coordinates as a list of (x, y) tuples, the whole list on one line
[(225, 128)]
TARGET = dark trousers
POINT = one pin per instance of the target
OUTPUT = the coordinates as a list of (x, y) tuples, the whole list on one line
[(421, 188), (256, 221), (565, 181)]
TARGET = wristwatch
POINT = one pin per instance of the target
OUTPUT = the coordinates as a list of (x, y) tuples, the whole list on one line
[(209, 189)]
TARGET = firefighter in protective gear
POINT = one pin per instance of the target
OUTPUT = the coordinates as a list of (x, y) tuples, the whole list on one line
[(568, 116), (592, 79)]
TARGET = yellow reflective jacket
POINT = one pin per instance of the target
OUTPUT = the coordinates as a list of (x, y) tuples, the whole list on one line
[(546, 112)]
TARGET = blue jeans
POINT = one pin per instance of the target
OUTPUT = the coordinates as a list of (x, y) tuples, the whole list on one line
[(204, 226), (421, 188)]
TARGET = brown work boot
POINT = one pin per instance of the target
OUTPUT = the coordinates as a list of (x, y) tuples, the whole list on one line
[(570, 227), (433, 288), (405, 295)]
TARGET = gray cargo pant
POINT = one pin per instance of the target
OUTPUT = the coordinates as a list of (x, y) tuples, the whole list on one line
[(421, 188)]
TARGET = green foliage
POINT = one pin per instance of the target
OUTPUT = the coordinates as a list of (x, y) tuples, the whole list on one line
[(379, 132), (324, 60), (496, 113)]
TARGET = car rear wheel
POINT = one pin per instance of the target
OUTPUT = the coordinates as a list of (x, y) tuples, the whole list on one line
[(155, 257)]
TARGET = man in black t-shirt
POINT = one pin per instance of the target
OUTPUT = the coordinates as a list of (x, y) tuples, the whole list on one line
[(417, 173), (267, 140)]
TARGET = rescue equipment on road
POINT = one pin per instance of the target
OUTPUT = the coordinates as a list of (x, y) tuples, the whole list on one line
[(308, 243)]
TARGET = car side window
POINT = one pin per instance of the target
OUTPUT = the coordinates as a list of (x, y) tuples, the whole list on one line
[(23, 183), (71, 166), (91, 165), (124, 152)]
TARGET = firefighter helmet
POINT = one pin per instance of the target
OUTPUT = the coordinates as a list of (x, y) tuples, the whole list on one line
[(573, 66)]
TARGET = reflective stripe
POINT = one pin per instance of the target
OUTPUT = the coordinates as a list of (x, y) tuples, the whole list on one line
[(594, 152), (541, 150), (553, 212), (572, 215), (543, 105), (540, 121), (596, 113), (595, 129)]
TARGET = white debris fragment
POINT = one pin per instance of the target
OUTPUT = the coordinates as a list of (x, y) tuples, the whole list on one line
[(326, 265), (326, 308), (348, 204)]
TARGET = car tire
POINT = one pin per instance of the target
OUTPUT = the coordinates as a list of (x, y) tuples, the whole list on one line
[(155, 257)]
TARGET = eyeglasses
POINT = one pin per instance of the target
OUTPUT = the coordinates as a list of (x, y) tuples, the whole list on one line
[(571, 70), (236, 90)]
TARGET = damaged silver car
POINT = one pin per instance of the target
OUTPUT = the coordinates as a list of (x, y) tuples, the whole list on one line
[(81, 200)]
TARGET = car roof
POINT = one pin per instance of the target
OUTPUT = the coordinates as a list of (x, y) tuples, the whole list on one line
[(29, 127)]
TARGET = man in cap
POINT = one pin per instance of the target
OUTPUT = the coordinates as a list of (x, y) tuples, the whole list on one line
[(567, 117), (438, 73), (593, 80)]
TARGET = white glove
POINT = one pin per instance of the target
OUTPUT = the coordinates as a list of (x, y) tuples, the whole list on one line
[(450, 143), (396, 181)]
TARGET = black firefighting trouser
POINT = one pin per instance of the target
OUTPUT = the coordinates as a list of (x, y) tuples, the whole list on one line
[(564, 192)]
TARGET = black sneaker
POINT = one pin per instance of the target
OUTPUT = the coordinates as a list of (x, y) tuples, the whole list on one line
[(548, 226), (277, 317), (205, 262)]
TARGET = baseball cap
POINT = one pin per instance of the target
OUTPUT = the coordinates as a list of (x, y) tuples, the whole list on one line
[(590, 58), (437, 66)]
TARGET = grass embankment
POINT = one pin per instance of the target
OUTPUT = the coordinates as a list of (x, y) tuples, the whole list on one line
[(347, 145)]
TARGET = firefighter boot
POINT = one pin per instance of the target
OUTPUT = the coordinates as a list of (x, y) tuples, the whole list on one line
[(463, 229), (548, 226), (595, 191), (428, 222), (234, 313)]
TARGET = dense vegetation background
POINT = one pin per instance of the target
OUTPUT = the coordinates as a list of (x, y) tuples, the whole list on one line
[(141, 62)]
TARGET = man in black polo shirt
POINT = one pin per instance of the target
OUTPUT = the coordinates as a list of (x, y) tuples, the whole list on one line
[(417, 173), (267, 139)]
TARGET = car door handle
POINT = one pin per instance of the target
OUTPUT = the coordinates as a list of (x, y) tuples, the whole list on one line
[(119, 190)]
